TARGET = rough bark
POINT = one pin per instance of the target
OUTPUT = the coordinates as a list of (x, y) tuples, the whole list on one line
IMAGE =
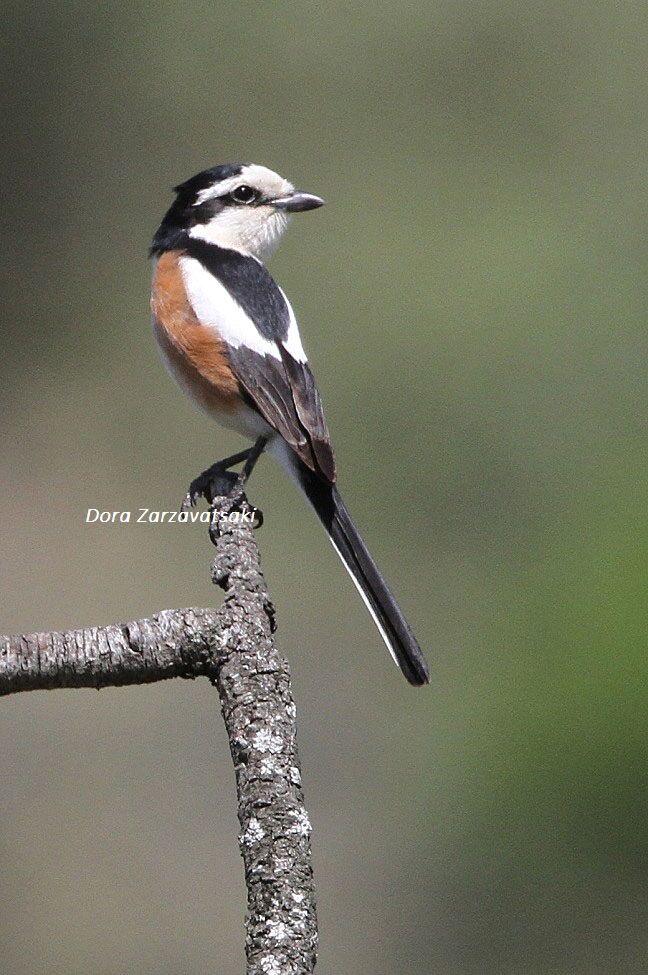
[(234, 648)]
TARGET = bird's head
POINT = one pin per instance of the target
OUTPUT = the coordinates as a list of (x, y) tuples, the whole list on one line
[(240, 206)]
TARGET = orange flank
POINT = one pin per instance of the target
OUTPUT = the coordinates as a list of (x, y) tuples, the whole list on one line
[(194, 353)]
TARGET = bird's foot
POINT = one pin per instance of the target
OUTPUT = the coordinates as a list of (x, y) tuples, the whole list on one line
[(215, 482)]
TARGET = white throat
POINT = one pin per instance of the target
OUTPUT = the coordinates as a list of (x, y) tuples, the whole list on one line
[(254, 230)]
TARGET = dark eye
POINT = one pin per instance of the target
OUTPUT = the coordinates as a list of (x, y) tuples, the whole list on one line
[(244, 194)]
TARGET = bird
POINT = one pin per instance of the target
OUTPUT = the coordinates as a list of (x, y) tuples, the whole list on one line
[(229, 337)]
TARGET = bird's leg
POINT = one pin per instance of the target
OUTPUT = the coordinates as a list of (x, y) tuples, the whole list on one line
[(216, 481), (253, 455)]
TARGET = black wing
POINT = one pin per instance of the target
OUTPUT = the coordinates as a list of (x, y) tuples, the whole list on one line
[(284, 392)]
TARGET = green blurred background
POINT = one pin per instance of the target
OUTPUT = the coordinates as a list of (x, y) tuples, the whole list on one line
[(484, 242)]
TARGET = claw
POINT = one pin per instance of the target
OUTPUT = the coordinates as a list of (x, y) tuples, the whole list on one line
[(213, 483)]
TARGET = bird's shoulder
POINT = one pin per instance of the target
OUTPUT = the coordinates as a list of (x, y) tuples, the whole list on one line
[(247, 282)]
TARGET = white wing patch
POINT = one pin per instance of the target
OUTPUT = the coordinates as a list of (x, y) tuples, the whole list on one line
[(293, 344), (215, 308)]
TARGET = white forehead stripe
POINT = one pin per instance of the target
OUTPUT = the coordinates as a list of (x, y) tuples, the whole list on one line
[(293, 344), (215, 308), (222, 188), (260, 177)]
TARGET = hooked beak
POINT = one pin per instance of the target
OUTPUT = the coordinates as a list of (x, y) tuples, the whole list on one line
[(297, 201)]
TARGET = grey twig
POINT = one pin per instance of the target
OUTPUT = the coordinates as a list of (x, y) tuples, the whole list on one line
[(235, 649)]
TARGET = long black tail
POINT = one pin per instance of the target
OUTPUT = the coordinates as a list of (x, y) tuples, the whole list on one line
[(360, 565)]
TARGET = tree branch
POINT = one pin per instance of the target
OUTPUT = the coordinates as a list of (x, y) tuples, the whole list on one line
[(235, 649), (174, 643)]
